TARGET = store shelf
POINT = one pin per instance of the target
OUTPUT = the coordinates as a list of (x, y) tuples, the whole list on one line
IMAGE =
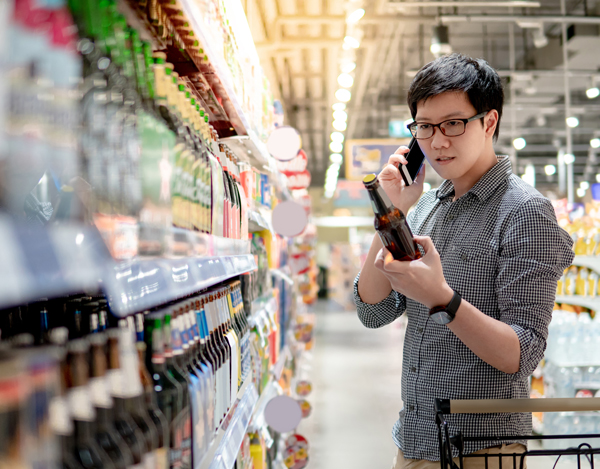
[(224, 449), (591, 262), (143, 284), (256, 222), (38, 262), (576, 300)]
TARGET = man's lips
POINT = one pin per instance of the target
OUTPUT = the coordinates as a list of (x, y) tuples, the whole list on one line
[(444, 159)]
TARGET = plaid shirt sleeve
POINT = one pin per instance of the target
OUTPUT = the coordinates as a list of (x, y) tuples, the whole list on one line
[(533, 254), (382, 313)]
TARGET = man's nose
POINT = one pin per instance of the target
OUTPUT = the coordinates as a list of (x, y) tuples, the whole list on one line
[(439, 140)]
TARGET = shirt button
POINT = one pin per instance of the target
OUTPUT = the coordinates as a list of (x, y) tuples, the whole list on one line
[(464, 257), (413, 369), (411, 408), (420, 329)]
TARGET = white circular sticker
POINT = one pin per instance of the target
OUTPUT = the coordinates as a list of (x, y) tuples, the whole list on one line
[(289, 219), (284, 143), (283, 414)]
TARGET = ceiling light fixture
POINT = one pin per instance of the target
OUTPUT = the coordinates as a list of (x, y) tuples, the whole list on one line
[(539, 37), (572, 122), (340, 116), (598, 178), (352, 42), (581, 192), (592, 92), (345, 80), (336, 147), (440, 43), (595, 143), (355, 16), (339, 106), (519, 143), (340, 125), (348, 67), (426, 187), (337, 137), (550, 169), (584, 185), (569, 158), (336, 158), (343, 95)]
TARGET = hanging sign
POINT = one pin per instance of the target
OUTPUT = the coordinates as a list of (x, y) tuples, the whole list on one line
[(295, 165), (298, 181), (299, 263)]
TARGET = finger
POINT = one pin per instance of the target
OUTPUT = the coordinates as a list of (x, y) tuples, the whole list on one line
[(380, 258), (403, 150), (397, 159), (392, 266), (427, 244)]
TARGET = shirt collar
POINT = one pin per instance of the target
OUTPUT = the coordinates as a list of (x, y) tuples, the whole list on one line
[(488, 183)]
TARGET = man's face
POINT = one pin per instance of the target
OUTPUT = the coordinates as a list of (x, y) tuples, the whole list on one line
[(452, 157)]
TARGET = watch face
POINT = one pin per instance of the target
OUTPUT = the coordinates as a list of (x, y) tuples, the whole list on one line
[(441, 317)]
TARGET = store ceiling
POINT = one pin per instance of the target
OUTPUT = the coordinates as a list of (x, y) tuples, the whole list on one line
[(300, 46)]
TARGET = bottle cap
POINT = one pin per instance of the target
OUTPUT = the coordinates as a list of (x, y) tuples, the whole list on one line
[(369, 179)]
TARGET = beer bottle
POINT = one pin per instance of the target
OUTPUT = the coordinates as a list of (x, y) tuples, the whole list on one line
[(157, 416), (61, 421), (172, 353), (107, 435), (168, 391), (127, 428), (87, 451), (390, 223)]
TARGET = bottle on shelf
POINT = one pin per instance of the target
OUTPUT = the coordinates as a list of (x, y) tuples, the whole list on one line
[(106, 434), (86, 449), (168, 390), (185, 418), (124, 423)]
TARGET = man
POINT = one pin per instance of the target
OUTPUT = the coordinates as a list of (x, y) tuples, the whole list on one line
[(493, 253)]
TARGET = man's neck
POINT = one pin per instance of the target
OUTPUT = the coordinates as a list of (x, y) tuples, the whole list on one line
[(464, 184)]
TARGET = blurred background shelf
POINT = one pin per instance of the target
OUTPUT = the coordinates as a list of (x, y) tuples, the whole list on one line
[(585, 301)]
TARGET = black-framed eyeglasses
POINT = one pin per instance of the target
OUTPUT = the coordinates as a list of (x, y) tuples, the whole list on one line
[(450, 128)]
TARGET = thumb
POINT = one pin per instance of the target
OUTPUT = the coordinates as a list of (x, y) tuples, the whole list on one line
[(427, 244)]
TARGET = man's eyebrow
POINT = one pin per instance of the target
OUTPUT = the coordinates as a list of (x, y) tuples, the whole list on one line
[(447, 116)]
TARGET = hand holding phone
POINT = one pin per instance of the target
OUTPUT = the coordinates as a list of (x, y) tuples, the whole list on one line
[(415, 158), (403, 196)]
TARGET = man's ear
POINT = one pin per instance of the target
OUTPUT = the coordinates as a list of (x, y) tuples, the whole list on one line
[(490, 122)]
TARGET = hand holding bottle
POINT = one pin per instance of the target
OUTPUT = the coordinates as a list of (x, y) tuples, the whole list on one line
[(402, 196), (421, 280)]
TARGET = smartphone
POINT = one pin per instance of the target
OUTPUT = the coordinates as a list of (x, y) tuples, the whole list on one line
[(415, 158)]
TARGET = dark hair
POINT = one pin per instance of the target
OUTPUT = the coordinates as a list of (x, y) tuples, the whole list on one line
[(457, 72)]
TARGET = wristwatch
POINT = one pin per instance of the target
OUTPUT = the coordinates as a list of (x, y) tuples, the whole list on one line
[(446, 314)]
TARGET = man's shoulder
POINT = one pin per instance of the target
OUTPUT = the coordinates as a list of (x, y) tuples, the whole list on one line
[(518, 194)]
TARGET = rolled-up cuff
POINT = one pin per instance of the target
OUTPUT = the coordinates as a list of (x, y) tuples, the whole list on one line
[(382, 313), (532, 351)]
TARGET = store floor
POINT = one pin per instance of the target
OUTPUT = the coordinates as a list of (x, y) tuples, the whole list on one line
[(356, 373)]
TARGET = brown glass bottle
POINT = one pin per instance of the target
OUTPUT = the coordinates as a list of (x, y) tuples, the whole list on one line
[(390, 223)]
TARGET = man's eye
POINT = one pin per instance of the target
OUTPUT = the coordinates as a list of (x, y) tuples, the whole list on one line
[(453, 123), (423, 126)]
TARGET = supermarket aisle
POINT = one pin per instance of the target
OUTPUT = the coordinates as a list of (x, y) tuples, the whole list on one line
[(356, 398)]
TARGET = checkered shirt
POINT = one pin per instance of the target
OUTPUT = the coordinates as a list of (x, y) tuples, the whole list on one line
[(503, 251)]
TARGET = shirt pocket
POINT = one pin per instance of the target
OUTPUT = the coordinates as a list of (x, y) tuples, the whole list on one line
[(472, 272)]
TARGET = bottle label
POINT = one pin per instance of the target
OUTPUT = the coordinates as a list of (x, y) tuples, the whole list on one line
[(99, 393), (80, 404), (115, 382), (60, 416), (149, 461), (161, 455)]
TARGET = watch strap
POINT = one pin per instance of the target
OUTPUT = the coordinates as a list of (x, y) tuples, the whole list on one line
[(454, 304)]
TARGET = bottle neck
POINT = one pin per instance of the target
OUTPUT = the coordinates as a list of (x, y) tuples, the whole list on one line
[(381, 203)]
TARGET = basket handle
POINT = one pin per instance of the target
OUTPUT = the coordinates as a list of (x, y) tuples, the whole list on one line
[(494, 406)]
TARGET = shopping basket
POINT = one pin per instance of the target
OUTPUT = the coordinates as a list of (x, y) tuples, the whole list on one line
[(584, 452)]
